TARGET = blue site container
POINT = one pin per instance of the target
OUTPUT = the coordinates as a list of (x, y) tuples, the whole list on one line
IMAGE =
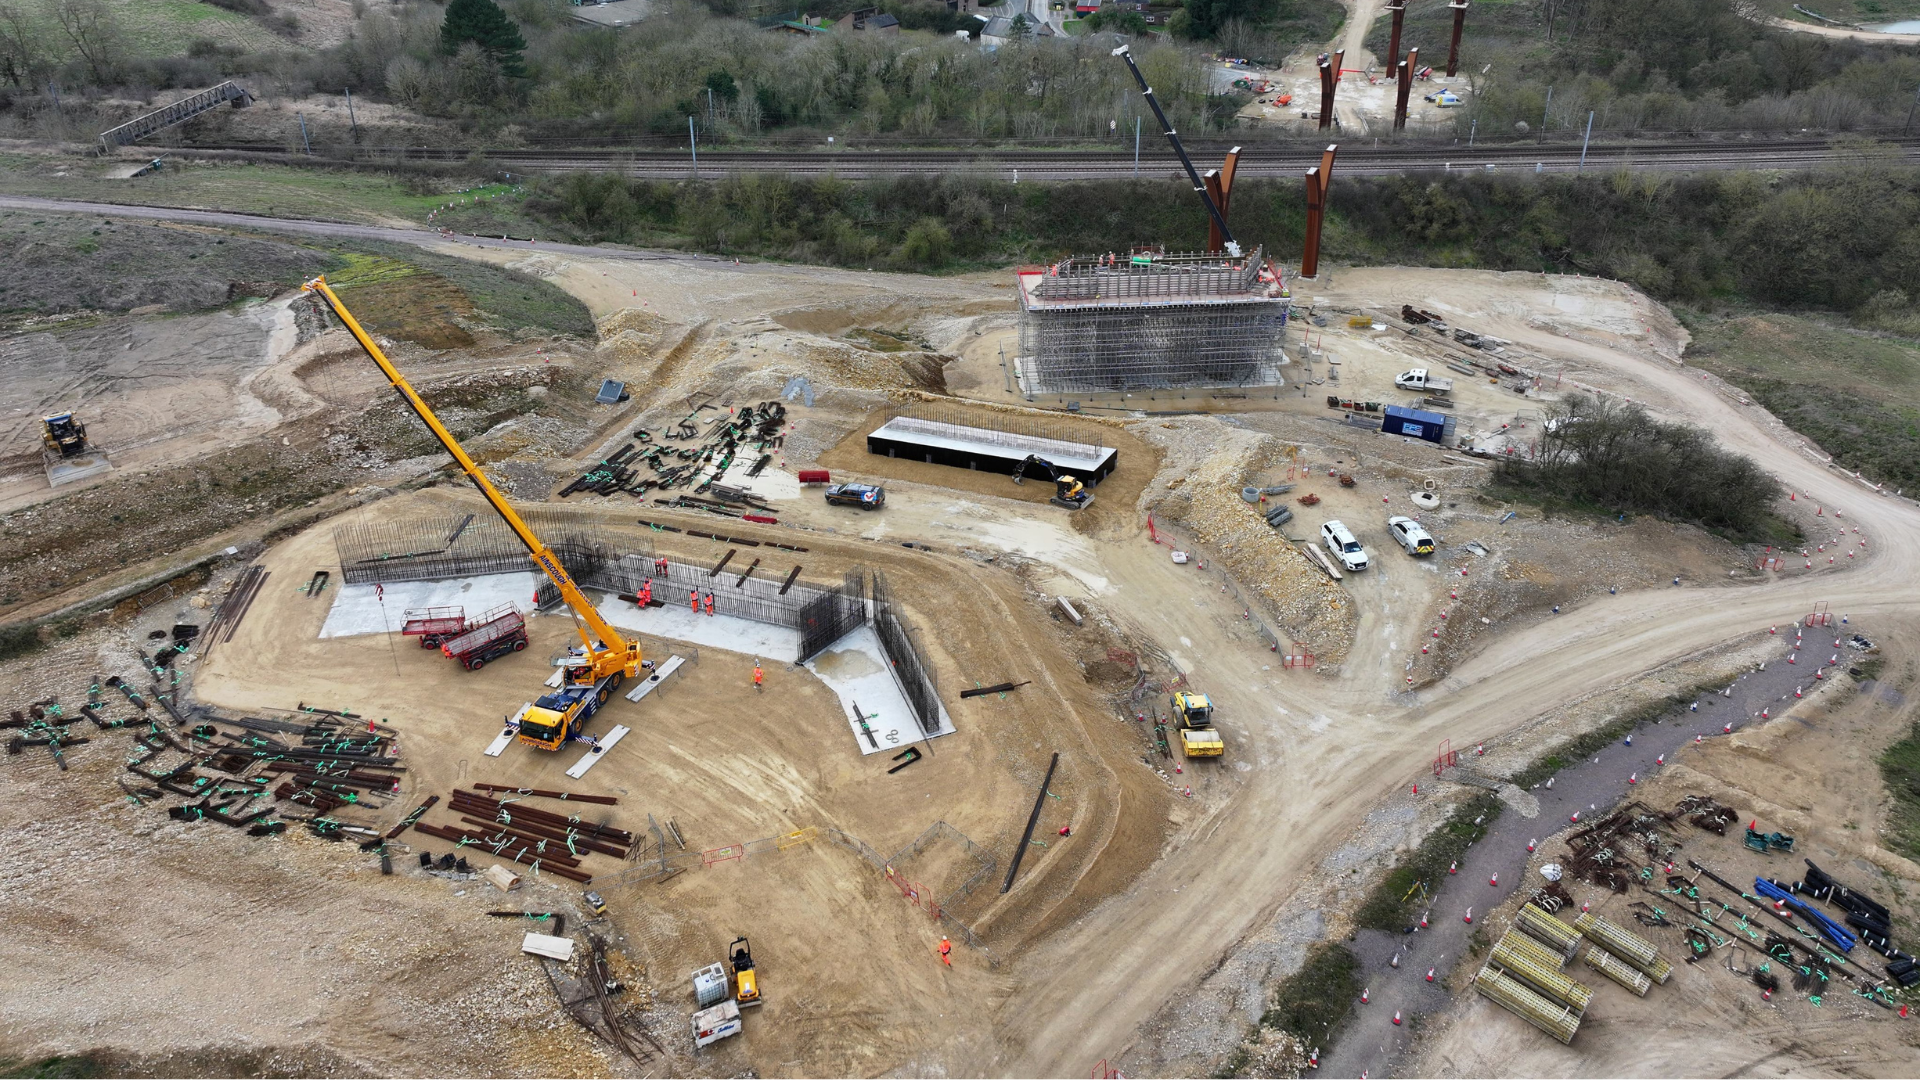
[(1413, 423)]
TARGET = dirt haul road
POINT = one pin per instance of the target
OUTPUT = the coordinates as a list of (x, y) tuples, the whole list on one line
[(1090, 987), (1319, 751)]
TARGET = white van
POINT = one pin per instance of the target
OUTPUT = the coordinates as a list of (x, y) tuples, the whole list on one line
[(1344, 547), (1410, 535)]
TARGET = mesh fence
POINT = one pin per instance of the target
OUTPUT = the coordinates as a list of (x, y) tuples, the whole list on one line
[(916, 680), (467, 545)]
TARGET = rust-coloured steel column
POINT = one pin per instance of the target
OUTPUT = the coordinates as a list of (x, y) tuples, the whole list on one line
[(1317, 180), (1219, 184), (1326, 92), (1459, 21), (1329, 83), (1399, 10), (1403, 72)]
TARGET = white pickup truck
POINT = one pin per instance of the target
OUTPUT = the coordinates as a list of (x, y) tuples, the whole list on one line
[(1418, 379)]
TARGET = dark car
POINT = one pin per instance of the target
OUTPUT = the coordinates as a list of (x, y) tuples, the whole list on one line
[(864, 496)]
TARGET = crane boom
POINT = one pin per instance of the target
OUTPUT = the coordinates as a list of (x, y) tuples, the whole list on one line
[(1166, 128), (614, 652)]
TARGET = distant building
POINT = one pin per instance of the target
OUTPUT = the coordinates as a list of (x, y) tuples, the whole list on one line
[(867, 20)]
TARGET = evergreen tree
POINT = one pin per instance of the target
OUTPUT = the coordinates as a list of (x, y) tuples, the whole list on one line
[(483, 23)]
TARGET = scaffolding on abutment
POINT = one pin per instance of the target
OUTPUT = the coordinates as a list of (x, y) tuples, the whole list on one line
[(1103, 324)]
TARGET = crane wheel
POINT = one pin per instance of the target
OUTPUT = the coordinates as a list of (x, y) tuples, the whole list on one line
[(475, 664), (519, 645)]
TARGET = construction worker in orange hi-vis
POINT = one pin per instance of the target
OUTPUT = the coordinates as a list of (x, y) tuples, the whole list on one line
[(709, 603), (646, 593), (946, 952), (693, 598), (757, 676)]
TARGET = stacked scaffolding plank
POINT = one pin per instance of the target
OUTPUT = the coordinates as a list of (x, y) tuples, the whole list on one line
[(1552, 1017), (1625, 944), (1548, 930), (1616, 969), (1518, 957), (1113, 323)]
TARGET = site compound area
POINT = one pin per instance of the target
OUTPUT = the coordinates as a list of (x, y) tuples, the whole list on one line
[(833, 673)]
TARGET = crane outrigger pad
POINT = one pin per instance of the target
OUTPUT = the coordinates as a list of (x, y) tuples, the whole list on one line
[(593, 756)]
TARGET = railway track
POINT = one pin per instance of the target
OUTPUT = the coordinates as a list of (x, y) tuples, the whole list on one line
[(1287, 160)]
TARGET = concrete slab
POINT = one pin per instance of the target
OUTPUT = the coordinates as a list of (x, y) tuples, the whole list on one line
[(856, 670), (773, 484), (370, 609), (728, 632)]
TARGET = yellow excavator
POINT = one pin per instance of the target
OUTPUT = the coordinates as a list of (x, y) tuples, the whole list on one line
[(1068, 492), (606, 658), (1193, 716)]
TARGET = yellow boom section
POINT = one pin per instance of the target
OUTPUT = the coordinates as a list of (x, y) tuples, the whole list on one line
[(614, 652)]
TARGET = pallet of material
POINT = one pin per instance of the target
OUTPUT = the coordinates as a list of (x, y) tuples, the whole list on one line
[(1541, 975), (1618, 970), (1548, 930), (1625, 944), (1511, 994)]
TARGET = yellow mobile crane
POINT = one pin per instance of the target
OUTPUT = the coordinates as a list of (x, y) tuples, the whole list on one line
[(608, 658)]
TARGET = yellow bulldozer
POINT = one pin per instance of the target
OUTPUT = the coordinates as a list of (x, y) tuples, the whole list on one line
[(1193, 718)]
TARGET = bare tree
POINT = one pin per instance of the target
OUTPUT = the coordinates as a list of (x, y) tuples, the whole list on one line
[(95, 33), (20, 47)]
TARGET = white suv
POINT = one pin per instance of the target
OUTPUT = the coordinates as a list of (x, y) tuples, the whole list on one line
[(1345, 548)]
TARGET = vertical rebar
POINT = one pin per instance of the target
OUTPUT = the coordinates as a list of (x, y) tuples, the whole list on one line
[(1585, 141), (693, 147)]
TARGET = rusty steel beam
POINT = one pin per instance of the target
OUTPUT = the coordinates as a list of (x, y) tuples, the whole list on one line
[(1219, 183), (1399, 10), (1404, 70), (1459, 22), (1317, 180)]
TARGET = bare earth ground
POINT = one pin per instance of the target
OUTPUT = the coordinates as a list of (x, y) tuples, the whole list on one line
[(1155, 893)]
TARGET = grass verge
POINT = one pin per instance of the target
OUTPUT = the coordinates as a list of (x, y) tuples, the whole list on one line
[(1855, 393), (1314, 1002), (1388, 907), (1580, 746)]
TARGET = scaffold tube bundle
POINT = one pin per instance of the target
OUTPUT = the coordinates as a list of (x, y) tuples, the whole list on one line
[(1549, 1016), (1548, 930)]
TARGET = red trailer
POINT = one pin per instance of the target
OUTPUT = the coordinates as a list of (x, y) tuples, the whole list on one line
[(497, 633), (433, 625)]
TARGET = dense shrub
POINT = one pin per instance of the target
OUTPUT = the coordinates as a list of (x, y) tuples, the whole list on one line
[(1615, 456)]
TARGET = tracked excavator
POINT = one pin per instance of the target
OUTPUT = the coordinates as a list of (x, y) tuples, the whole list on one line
[(605, 657), (1068, 491)]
